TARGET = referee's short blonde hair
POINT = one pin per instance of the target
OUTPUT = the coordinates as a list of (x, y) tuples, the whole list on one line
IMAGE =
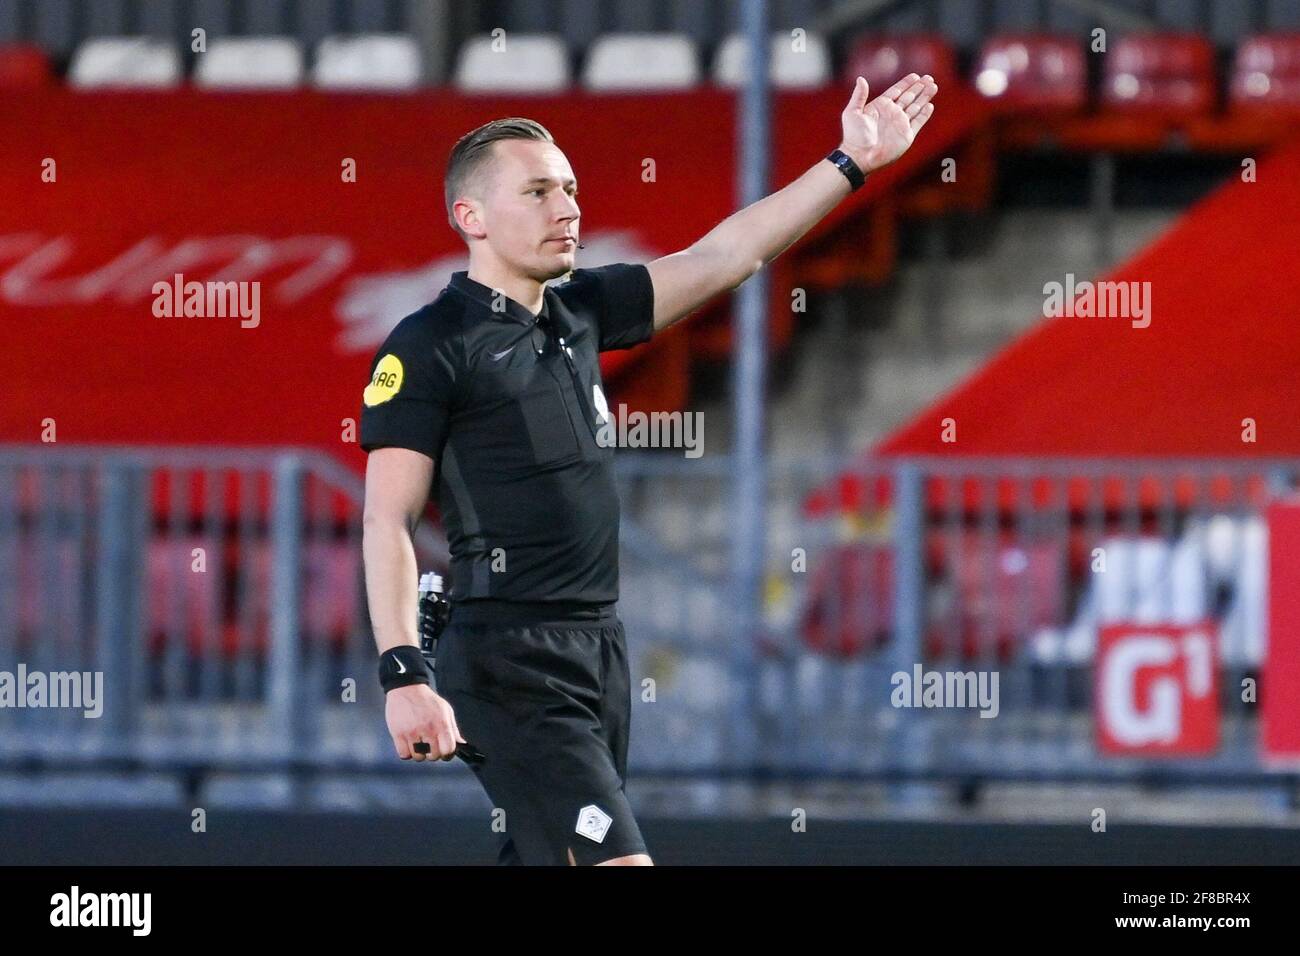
[(472, 151)]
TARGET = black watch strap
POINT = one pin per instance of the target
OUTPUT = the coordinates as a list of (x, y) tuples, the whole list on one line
[(402, 665), (849, 168)]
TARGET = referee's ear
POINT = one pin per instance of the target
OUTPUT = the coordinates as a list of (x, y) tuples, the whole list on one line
[(475, 227)]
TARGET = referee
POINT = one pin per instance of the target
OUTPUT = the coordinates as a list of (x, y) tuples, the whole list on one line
[(493, 390)]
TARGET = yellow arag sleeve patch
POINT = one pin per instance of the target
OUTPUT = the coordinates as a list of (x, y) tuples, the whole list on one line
[(386, 383)]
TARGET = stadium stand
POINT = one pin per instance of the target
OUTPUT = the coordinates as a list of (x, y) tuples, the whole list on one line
[(250, 63), (23, 66), (125, 62), (1266, 74), (1001, 583), (626, 62), (883, 59), (523, 63), (1033, 72), (792, 64), (367, 62)]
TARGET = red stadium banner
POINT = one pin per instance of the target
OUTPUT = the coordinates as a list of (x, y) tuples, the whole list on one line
[(1156, 690), (1213, 346), (327, 210), (1279, 695), (1185, 380)]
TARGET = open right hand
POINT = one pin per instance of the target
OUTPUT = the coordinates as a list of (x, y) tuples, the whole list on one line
[(878, 132)]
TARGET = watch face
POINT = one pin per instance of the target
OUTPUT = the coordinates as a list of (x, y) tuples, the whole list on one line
[(849, 168)]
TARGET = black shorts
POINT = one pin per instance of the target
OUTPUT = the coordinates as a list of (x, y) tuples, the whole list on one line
[(548, 702)]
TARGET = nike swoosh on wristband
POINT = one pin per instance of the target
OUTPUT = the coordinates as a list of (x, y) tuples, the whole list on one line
[(401, 668)]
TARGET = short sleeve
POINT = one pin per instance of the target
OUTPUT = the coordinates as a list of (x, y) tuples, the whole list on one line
[(407, 401), (621, 297)]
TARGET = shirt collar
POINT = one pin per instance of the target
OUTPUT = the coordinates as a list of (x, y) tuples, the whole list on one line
[(485, 296)]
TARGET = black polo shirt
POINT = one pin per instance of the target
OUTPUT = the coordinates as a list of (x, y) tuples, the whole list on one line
[(511, 419)]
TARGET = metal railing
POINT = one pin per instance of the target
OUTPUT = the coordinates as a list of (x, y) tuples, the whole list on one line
[(220, 595), (994, 566)]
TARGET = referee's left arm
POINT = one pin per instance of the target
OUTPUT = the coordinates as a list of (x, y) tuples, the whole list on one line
[(875, 134), (397, 487)]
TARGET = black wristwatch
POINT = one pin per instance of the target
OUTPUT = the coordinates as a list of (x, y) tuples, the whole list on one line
[(849, 168)]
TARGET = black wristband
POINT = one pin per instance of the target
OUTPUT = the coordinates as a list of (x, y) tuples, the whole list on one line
[(845, 164), (401, 666)]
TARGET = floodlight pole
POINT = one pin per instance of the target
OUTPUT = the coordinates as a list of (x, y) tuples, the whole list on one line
[(749, 341)]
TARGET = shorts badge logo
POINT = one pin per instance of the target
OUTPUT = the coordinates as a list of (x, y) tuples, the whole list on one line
[(593, 823), (386, 382)]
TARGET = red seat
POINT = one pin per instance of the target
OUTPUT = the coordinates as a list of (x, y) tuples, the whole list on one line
[(1266, 73), (850, 605), (1033, 71), (884, 59), (990, 595), (46, 574), (332, 576), (1167, 73), (997, 592), (179, 597), (23, 66)]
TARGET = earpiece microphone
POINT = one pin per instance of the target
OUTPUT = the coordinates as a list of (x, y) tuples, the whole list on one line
[(581, 246)]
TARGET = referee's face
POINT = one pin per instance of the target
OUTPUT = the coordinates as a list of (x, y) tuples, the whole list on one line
[(530, 205)]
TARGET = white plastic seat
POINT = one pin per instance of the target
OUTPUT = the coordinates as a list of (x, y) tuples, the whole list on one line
[(374, 61), (788, 68), (514, 63), (250, 63), (141, 62), (620, 62)]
